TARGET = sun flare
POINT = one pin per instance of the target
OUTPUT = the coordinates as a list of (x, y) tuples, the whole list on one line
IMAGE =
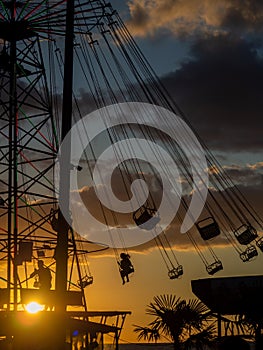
[(34, 307)]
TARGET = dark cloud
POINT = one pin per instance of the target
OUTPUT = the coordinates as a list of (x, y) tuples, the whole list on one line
[(244, 15), (220, 89), (220, 86), (191, 17)]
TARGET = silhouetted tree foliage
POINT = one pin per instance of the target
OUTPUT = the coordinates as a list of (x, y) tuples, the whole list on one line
[(183, 322)]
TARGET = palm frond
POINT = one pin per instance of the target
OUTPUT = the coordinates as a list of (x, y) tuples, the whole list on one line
[(162, 303), (198, 340), (147, 333), (175, 318)]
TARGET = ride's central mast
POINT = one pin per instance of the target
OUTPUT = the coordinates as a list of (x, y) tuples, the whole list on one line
[(62, 240)]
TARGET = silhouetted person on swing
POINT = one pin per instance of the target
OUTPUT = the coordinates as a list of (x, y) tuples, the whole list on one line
[(44, 276), (126, 267)]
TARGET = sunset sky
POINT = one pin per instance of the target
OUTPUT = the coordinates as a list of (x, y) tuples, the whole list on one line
[(209, 55), (124, 137)]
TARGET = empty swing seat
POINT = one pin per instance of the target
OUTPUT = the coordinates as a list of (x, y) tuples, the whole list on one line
[(176, 272), (214, 267), (85, 281), (41, 253), (249, 254), (245, 234), (208, 228), (143, 216), (260, 243)]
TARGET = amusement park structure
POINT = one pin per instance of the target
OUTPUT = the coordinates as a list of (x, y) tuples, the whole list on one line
[(239, 297), (47, 48), (29, 145)]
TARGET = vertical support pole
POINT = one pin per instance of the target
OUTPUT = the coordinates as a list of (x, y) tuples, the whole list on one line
[(64, 184), (116, 340), (258, 337), (15, 180), (12, 176), (219, 326), (102, 341), (10, 191)]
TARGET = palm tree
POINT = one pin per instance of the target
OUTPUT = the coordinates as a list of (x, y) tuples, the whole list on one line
[(247, 325), (181, 321), (252, 324)]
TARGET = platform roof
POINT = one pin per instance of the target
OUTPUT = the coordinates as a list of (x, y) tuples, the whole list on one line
[(231, 295), (22, 321)]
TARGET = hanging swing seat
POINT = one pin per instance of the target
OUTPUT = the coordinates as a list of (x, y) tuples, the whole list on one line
[(41, 253), (142, 218), (85, 281), (250, 253), (245, 234), (214, 267), (176, 272), (260, 243), (127, 270), (208, 228)]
